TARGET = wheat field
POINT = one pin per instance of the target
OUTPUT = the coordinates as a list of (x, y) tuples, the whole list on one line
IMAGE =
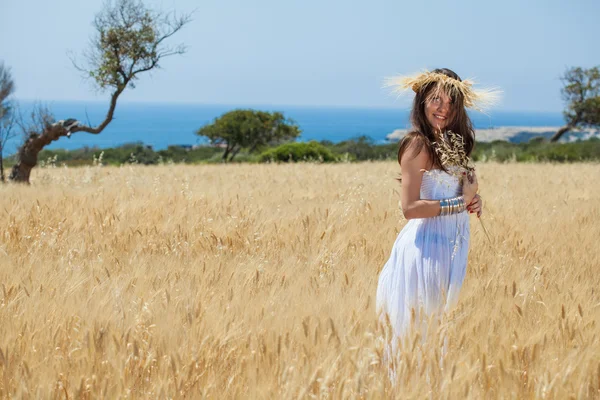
[(259, 281)]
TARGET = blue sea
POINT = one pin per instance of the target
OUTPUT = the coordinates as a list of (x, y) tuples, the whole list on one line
[(162, 125)]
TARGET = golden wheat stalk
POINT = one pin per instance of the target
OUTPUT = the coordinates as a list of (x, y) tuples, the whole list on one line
[(450, 148)]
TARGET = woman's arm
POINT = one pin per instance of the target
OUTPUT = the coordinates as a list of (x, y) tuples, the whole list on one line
[(413, 162)]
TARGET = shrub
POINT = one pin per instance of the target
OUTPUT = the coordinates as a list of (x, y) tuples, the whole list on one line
[(179, 154), (311, 151)]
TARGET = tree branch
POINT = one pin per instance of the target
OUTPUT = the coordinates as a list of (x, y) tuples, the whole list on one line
[(148, 68), (107, 120)]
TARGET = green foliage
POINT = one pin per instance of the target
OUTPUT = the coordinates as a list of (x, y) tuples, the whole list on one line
[(130, 39), (311, 151), (134, 153), (581, 91), (178, 154), (7, 87), (498, 151), (363, 148), (249, 129), (131, 153), (7, 119), (538, 151)]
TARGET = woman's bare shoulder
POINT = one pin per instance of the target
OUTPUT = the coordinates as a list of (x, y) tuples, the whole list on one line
[(415, 148)]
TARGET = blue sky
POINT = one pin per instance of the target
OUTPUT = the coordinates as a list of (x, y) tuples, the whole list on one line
[(309, 52)]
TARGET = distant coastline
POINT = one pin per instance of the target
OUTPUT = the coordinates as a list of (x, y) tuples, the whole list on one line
[(516, 134), (163, 125)]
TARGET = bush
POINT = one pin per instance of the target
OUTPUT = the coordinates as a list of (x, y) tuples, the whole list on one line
[(179, 154), (311, 151), (538, 151), (363, 148), (134, 153)]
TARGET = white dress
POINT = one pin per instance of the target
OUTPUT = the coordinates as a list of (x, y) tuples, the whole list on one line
[(428, 261)]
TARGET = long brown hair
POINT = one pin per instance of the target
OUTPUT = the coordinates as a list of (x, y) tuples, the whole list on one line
[(423, 134)]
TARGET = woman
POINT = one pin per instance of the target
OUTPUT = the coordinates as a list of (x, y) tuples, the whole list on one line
[(427, 265)]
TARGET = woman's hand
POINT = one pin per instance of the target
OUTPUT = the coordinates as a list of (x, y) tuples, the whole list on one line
[(476, 206), (470, 186)]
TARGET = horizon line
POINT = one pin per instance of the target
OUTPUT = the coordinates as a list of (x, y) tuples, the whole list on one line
[(251, 105)]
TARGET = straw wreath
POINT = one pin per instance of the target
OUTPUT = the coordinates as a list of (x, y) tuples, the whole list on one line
[(479, 99)]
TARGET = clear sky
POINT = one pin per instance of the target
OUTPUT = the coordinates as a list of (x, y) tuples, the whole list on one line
[(316, 52)]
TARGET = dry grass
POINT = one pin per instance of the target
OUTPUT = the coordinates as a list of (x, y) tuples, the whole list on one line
[(258, 281)]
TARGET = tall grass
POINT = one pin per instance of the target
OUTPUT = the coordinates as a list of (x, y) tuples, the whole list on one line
[(258, 281)]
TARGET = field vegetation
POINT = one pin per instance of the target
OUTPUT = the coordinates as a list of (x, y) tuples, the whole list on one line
[(259, 281), (356, 149)]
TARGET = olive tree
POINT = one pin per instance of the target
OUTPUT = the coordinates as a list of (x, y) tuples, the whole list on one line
[(249, 129), (581, 92), (7, 118), (129, 39)]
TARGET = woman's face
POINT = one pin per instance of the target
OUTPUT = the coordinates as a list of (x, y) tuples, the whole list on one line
[(438, 110)]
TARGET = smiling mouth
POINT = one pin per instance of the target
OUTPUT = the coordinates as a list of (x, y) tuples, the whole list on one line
[(440, 117)]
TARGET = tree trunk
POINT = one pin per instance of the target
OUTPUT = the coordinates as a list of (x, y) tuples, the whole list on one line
[(234, 153), (1, 167), (226, 153), (560, 132), (28, 153)]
